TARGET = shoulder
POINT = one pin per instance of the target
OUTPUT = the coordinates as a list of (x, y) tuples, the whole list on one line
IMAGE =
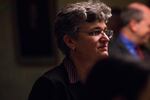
[(49, 84), (116, 43), (117, 47), (58, 73)]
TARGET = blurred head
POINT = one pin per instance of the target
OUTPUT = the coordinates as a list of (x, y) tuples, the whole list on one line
[(116, 79), (81, 27), (136, 18)]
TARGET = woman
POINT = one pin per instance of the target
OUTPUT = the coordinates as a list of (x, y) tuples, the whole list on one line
[(83, 37)]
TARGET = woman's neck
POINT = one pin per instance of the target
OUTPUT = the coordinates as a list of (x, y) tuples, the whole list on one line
[(82, 66)]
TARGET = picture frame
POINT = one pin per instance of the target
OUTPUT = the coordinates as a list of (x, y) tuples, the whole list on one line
[(35, 39)]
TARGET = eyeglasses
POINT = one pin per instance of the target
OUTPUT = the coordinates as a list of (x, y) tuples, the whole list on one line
[(96, 32)]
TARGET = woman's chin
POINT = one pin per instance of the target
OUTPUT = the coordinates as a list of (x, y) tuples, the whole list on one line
[(104, 54)]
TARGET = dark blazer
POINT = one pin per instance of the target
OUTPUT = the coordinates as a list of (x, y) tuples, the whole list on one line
[(55, 85), (118, 48)]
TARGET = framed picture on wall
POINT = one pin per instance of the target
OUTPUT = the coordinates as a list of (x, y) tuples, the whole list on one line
[(35, 41)]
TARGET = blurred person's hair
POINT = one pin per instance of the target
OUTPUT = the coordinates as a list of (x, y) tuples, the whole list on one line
[(114, 76), (131, 14)]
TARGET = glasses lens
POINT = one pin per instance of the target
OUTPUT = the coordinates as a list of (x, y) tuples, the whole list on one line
[(109, 33)]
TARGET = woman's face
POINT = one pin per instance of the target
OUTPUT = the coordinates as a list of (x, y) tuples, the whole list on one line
[(92, 42)]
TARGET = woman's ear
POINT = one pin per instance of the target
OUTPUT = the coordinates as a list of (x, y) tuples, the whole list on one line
[(70, 42)]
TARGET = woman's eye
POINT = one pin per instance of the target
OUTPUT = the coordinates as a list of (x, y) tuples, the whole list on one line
[(96, 32)]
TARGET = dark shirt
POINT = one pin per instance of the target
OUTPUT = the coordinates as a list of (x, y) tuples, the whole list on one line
[(60, 83)]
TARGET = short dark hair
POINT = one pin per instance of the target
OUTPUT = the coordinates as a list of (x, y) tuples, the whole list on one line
[(131, 14), (70, 17), (114, 77)]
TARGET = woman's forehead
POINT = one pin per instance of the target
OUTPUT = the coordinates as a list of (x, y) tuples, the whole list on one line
[(88, 26)]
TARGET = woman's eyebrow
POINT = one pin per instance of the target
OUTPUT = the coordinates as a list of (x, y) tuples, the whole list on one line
[(99, 28)]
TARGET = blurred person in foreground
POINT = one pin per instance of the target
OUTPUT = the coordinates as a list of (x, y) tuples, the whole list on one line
[(134, 34), (83, 37), (118, 79)]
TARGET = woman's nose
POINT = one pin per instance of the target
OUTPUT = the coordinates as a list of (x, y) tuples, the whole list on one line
[(104, 37)]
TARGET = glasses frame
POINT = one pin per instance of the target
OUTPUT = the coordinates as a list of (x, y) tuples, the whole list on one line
[(106, 31)]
